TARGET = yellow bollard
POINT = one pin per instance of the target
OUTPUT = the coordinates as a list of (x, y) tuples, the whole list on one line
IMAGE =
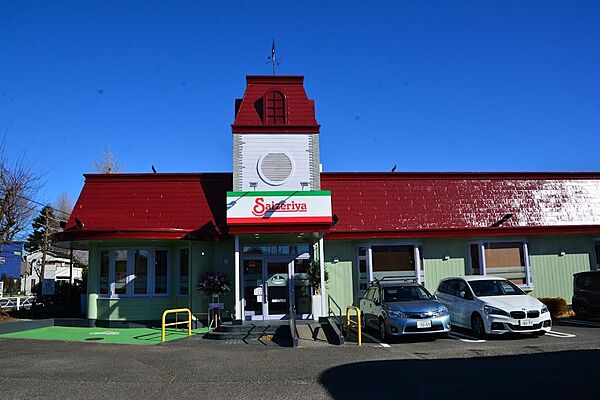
[(175, 311), (358, 323)]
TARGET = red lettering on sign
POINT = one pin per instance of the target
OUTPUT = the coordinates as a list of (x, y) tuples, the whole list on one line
[(261, 208)]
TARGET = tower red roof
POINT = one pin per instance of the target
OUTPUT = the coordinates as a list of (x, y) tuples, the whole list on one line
[(299, 109)]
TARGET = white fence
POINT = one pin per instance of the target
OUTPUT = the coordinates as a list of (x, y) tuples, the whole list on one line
[(16, 303)]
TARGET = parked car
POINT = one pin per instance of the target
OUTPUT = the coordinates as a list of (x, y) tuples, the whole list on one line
[(586, 294), (492, 305), (403, 307)]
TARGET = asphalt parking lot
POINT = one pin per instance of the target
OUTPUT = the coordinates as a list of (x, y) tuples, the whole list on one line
[(556, 366), (563, 332)]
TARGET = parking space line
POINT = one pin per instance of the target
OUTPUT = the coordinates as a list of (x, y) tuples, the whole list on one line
[(560, 334), (465, 338), (379, 342)]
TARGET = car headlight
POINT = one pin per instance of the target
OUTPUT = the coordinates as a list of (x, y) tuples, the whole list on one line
[(544, 309), (443, 311), (489, 310), (396, 314)]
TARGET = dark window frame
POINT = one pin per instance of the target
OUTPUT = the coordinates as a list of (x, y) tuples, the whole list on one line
[(275, 108)]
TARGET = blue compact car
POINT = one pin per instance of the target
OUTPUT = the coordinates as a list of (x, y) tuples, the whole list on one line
[(403, 307)]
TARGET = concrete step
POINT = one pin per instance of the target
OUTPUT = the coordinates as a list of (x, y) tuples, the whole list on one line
[(311, 331)]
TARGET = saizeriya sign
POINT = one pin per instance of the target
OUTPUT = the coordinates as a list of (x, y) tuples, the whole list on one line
[(309, 207)]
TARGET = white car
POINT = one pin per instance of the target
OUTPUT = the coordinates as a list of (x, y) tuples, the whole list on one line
[(492, 305)]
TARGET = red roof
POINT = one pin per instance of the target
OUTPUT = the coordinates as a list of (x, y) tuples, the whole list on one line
[(462, 204), (367, 205), (300, 111), (150, 206)]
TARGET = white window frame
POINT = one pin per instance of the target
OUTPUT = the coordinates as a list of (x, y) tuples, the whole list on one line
[(595, 260), (179, 270), (482, 263), (417, 250), (131, 273)]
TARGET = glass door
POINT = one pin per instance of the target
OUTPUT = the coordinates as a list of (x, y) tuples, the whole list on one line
[(277, 289), (253, 289)]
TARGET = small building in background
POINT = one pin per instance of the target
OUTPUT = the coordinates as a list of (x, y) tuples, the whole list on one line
[(10, 259), (58, 268)]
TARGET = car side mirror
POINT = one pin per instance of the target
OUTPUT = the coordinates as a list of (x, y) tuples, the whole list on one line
[(462, 294), (376, 302)]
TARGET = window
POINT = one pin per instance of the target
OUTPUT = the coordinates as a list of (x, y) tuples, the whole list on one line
[(160, 272), (363, 277), (275, 108), (506, 259), (475, 264), (184, 270), (140, 282), (597, 252), (134, 272), (120, 271), (104, 265), (381, 260)]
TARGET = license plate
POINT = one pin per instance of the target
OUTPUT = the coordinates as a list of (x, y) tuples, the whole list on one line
[(526, 322), (423, 324)]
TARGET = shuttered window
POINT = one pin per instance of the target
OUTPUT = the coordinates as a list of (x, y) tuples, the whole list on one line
[(275, 108)]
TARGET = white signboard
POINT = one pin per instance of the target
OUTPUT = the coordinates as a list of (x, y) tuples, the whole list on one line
[(300, 207), (48, 286)]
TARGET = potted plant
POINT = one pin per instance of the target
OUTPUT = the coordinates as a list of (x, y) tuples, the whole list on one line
[(314, 281), (214, 284)]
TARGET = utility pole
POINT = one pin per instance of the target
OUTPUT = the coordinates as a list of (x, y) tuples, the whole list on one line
[(44, 250)]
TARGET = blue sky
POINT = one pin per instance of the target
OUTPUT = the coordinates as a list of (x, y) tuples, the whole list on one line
[(429, 86)]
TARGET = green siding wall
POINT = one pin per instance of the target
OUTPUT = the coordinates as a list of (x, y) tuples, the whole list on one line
[(133, 309), (341, 284), (435, 267), (552, 273)]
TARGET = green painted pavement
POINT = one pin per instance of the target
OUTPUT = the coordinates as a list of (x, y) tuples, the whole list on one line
[(141, 336)]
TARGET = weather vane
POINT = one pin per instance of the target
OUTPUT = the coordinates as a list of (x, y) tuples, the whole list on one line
[(272, 59)]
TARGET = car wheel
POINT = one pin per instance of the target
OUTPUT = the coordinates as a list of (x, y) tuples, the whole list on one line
[(580, 312), (383, 331), (477, 326)]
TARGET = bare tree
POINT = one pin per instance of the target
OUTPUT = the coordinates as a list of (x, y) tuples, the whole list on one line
[(19, 185), (63, 206), (108, 163)]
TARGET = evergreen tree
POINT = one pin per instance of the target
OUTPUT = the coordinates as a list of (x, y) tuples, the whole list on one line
[(35, 241)]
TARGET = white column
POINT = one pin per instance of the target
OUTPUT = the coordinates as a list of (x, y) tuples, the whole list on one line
[(417, 257), (322, 266), (236, 262)]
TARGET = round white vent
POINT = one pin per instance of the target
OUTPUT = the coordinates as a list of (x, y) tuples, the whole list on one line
[(275, 168)]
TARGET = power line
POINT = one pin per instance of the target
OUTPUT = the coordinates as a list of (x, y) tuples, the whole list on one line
[(38, 203)]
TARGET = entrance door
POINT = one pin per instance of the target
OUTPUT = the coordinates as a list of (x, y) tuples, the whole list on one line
[(253, 288), (277, 295)]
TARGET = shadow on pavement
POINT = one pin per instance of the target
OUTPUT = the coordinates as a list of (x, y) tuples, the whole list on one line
[(562, 375)]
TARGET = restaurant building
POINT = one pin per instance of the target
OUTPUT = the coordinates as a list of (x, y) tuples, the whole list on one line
[(152, 237)]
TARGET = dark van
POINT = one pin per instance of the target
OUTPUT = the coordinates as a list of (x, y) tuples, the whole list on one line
[(586, 294)]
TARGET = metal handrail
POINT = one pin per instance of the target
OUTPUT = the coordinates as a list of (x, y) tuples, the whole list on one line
[(330, 313), (175, 311), (350, 322)]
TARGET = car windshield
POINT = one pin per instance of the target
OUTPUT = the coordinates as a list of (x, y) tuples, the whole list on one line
[(404, 293), (495, 287)]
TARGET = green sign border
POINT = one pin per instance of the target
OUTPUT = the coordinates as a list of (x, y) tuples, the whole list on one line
[(280, 193)]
